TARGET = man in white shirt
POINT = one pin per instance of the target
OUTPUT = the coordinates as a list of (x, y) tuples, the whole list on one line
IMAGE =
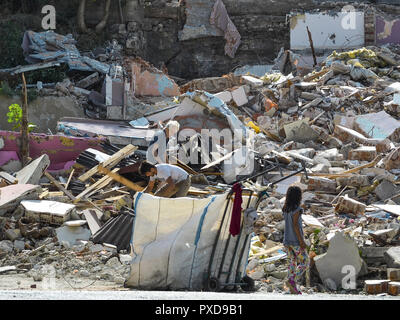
[(174, 181)]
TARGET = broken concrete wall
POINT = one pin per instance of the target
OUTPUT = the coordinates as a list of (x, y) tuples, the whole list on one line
[(180, 36), (327, 31)]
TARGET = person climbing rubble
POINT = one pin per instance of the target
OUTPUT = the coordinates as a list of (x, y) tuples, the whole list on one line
[(173, 182), (294, 239)]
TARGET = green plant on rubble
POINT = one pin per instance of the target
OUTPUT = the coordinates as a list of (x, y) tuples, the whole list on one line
[(14, 116)]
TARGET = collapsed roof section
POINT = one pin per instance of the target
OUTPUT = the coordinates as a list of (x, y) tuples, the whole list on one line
[(49, 46)]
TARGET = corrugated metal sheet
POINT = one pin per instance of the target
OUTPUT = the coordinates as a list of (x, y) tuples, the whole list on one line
[(117, 231), (117, 132)]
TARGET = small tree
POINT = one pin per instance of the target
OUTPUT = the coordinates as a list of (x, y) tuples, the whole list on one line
[(14, 116)]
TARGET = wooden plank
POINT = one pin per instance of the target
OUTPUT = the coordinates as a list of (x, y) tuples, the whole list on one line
[(115, 176), (282, 157), (95, 186), (100, 186), (225, 157), (69, 179), (184, 166), (59, 186), (213, 173), (44, 194), (109, 193), (267, 251), (197, 192), (313, 103), (8, 177), (347, 172), (110, 162), (270, 135), (315, 75)]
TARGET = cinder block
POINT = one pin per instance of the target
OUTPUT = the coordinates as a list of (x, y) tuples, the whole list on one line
[(376, 286), (394, 288), (393, 274), (364, 153), (321, 184)]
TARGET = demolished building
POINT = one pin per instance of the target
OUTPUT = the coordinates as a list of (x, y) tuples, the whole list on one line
[(330, 128)]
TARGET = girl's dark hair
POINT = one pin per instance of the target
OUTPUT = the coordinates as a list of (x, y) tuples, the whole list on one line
[(145, 166), (293, 199)]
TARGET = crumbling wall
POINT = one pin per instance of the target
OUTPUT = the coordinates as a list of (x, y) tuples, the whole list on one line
[(154, 31)]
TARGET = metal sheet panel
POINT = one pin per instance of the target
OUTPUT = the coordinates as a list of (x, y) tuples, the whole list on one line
[(117, 231)]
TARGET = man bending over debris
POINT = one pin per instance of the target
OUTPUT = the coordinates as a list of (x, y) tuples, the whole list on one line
[(175, 182)]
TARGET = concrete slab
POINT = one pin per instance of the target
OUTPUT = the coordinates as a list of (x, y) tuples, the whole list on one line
[(342, 255), (385, 190), (32, 173), (300, 131), (52, 212), (11, 196)]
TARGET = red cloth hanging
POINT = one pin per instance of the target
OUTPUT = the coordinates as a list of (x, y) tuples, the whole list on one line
[(234, 228)]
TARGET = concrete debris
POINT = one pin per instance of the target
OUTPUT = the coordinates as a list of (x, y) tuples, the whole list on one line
[(71, 234), (51, 212), (392, 257), (348, 205), (332, 129), (342, 252), (12, 195), (32, 173)]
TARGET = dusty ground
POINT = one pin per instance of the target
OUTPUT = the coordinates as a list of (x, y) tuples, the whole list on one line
[(23, 282), (19, 287)]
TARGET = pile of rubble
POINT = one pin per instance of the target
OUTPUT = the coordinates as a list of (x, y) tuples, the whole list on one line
[(341, 123), (334, 131)]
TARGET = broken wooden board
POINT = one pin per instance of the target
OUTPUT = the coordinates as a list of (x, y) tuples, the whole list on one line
[(265, 252), (8, 177), (69, 178), (101, 183), (110, 162), (270, 135), (197, 192), (313, 103), (316, 75), (184, 166), (347, 172), (281, 157), (111, 193), (59, 186), (115, 176), (225, 157)]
